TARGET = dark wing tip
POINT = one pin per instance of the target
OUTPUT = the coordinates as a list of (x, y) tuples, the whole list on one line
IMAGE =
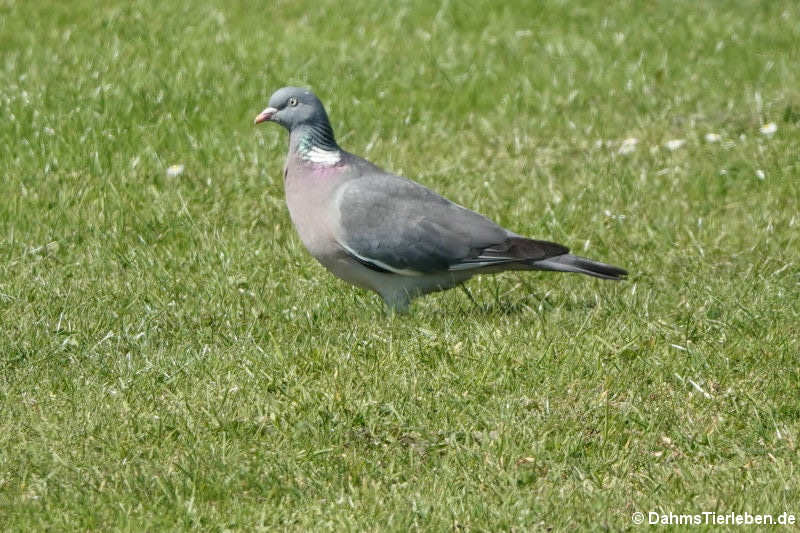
[(526, 249)]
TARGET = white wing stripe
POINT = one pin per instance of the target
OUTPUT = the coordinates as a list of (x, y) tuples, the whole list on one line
[(401, 271), (489, 261)]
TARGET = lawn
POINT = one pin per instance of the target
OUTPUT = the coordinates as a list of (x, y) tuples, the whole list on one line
[(172, 358)]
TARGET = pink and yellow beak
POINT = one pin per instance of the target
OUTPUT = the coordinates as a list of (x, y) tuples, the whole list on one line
[(265, 115)]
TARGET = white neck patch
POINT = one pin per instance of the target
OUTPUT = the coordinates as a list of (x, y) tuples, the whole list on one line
[(322, 157)]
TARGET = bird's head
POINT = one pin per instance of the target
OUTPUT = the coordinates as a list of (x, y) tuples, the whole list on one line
[(292, 107)]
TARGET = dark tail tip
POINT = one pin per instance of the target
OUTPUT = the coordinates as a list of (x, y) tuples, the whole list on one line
[(581, 265), (600, 270)]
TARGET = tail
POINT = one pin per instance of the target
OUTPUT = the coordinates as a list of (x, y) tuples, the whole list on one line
[(520, 253), (574, 263)]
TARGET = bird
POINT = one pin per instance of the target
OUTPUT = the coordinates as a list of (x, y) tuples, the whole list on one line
[(387, 233)]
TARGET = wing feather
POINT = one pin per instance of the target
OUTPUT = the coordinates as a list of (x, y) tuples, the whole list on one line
[(397, 225)]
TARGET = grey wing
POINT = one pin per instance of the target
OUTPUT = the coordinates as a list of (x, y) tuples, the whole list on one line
[(392, 224)]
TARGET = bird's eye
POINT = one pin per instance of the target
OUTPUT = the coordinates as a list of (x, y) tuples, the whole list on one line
[(292, 101)]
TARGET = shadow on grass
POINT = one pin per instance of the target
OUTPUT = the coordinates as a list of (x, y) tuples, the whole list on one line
[(525, 300)]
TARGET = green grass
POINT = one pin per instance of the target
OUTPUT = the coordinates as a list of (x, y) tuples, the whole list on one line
[(172, 358)]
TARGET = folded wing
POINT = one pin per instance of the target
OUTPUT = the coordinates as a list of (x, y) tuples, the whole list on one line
[(391, 224)]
